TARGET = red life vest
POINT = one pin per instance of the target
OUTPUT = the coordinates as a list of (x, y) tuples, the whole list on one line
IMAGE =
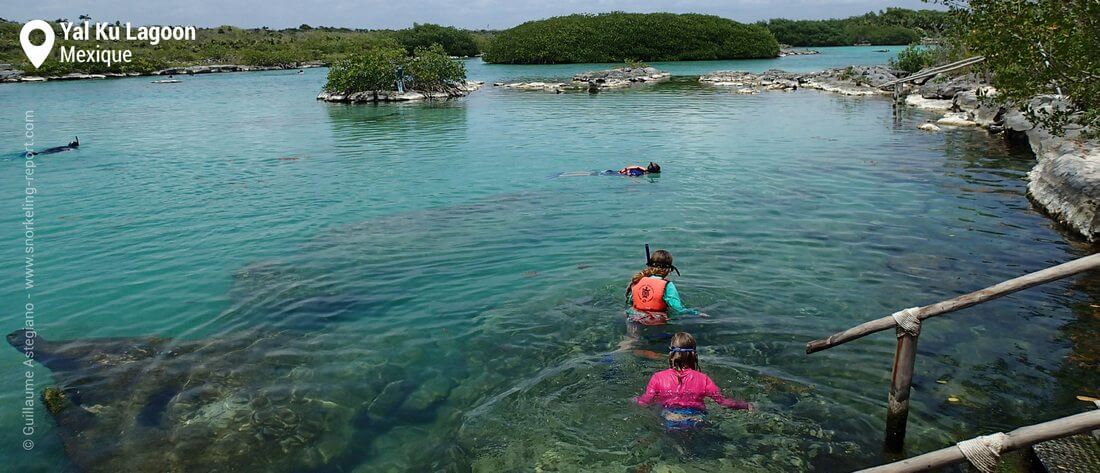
[(648, 294)]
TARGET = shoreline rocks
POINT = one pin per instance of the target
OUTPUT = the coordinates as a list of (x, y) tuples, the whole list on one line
[(852, 80), (18, 76), (376, 96), (595, 81), (788, 50)]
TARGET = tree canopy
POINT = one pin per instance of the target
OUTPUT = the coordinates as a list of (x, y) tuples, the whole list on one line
[(428, 69), (455, 41), (1037, 47), (891, 26), (617, 37)]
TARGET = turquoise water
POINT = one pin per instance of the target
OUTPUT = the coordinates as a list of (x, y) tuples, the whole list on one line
[(467, 305)]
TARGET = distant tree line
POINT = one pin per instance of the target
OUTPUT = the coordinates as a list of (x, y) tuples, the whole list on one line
[(609, 37), (890, 27), (616, 37), (252, 47)]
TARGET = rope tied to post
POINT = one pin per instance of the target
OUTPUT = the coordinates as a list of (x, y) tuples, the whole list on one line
[(908, 321), (984, 452)]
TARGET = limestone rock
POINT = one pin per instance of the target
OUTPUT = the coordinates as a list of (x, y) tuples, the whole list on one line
[(956, 119), (918, 101), (945, 88)]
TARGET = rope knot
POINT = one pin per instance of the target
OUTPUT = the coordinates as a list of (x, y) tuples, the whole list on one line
[(984, 452), (908, 321)]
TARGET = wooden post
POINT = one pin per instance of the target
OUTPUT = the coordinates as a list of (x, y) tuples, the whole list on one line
[(897, 409)]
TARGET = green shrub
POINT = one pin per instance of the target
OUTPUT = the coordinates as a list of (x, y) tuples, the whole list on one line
[(430, 69), (616, 37), (914, 58), (377, 69), (1035, 47)]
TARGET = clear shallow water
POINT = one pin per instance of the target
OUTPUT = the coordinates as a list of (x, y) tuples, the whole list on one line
[(466, 304)]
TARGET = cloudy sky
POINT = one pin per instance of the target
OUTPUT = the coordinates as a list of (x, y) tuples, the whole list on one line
[(402, 13)]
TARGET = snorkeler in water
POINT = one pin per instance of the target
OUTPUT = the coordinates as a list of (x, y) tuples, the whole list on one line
[(682, 388), (652, 168), (58, 149), (651, 295)]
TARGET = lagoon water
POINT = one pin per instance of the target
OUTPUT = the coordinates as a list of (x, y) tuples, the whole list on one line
[(468, 304)]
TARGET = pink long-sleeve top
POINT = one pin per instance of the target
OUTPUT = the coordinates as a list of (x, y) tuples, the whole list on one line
[(684, 389)]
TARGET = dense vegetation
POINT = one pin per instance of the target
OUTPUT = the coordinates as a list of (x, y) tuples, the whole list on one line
[(252, 47), (1037, 47), (378, 69), (914, 58), (616, 37), (892, 26), (455, 41)]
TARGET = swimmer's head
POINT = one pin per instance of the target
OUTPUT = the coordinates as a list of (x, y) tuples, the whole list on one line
[(661, 262), (681, 352), (653, 168)]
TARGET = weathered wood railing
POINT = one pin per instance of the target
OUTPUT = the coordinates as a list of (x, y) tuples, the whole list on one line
[(897, 412), (1015, 440), (934, 71)]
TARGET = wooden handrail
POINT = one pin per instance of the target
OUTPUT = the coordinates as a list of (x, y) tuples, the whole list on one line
[(1017, 439), (970, 61), (1053, 273)]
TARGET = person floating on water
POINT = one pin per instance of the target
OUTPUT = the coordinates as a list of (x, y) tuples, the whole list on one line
[(652, 168), (651, 295), (58, 149), (681, 388)]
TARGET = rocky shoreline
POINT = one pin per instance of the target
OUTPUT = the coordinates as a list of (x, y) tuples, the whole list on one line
[(851, 80), (10, 75), (1065, 182), (376, 96), (786, 50), (595, 81)]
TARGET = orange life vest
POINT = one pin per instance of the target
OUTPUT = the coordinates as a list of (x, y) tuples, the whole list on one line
[(648, 294)]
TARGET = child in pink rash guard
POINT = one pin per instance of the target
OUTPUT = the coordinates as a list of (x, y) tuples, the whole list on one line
[(681, 389)]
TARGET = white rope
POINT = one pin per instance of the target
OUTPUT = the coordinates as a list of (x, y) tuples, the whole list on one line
[(908, 321), (984, 452)]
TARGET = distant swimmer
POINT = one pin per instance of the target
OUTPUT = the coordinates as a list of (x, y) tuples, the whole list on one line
[(652, 168), (58, 149)]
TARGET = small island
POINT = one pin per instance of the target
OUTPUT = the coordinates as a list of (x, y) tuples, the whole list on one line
[(617, 37), (388, 74)]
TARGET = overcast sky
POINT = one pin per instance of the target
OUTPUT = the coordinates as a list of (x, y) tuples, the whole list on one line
[(373, 14)]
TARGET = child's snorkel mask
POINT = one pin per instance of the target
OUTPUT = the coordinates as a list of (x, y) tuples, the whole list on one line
[(680, 350), (649, 262)]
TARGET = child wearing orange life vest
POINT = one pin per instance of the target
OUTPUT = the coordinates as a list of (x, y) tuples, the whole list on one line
[(652, 296)]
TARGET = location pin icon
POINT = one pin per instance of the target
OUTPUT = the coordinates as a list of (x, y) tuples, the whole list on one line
[(37, 54)]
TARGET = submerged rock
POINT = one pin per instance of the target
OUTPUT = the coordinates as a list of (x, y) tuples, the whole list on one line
[(157, 404)]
